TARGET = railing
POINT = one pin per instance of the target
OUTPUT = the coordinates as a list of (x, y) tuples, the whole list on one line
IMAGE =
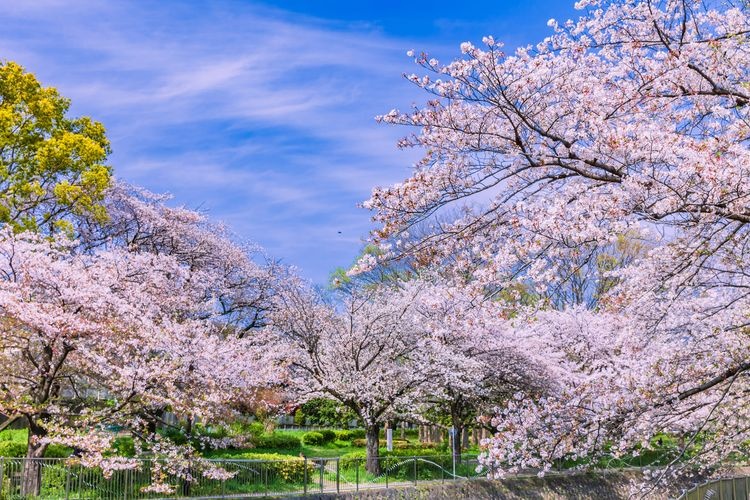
[(66, 479), (720, 489)]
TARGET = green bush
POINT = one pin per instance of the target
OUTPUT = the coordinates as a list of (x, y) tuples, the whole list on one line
[(55, 478), (329, 436), (174, 435), (12, 449), (124, 446), (290, 469), (57, 451), (254, 429), (325, 412), (277, 441), (299, 417), (350, 434), (343, 436), (313, 438), (20, 435)]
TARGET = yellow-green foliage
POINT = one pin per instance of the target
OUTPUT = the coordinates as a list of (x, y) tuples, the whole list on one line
[(290, 469), (51, 166)]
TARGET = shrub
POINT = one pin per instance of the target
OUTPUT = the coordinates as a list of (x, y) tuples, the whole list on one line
[(329, 436), (326, 412), (55, 479), (313, 438), (348, 460), (12, 449), (343, 435), (124, 446), (350, 434), (290, 469), (20, 435), (213, 432), (57, 451), (299, 417), (277, 441), (174, 435), (246, 430)]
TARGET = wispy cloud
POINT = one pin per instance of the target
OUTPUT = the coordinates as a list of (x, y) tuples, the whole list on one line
[(261, 116)]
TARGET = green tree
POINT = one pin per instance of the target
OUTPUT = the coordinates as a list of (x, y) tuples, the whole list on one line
[(327, 412), (52, 169)]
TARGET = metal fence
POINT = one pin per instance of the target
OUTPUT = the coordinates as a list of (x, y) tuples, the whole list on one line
[(67, 479), (737, 488)]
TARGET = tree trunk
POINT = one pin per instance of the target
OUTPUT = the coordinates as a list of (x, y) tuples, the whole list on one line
[(465, 439), (372, 435), (31, 480), (475, 436), (189, 433), (457, 441)]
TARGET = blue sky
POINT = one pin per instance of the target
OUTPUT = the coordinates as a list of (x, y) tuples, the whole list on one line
[(260, 112)]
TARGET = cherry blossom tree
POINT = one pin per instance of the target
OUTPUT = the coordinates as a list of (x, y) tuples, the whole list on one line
[(153, 314), (478, 361), (369, 352), (631, 120)]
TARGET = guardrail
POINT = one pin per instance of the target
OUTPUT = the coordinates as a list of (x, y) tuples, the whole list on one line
[(62, 478)]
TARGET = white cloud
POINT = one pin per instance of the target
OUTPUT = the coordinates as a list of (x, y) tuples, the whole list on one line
[(246, 110)]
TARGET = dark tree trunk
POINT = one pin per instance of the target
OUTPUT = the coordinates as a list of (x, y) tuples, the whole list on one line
[(372, 435), (31, 479), (457, 441), (189, 433)]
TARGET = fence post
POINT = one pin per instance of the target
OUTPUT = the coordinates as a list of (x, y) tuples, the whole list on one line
[(305, 466), (415, 471), (80, 479), (2, 475), (67, 483), (356, 474), (321, 465), (386, 475), (338, 473)]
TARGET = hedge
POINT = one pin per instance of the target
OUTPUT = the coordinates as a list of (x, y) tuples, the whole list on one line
[(16, 449), (350, 434), (277, 441)]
